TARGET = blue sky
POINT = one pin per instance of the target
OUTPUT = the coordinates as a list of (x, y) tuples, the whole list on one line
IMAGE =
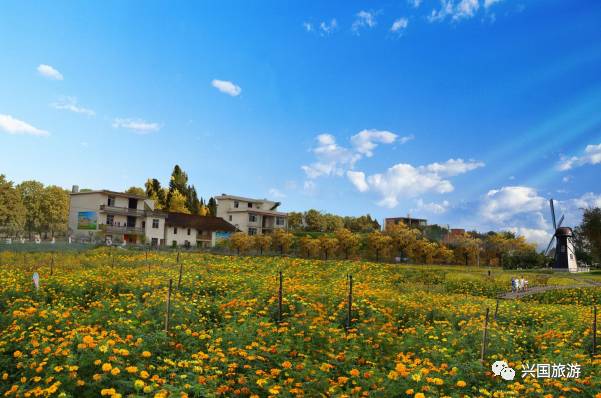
[(467, 112)]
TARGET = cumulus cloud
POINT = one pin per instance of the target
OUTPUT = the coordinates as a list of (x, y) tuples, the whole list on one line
[(591, 155), (49, 72), (433, 207), (539, 236), (334, 159), (326, 28), (364, 19), (502, 205), (70, 104), (137, 125), (489, 3), (15, 126), (415, 3), (357, 178), (276, 193), (405, 180), (463, 9), (227, 87), (399, 25)]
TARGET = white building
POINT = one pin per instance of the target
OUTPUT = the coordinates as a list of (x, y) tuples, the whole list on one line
[(253, 216), (121, 217)]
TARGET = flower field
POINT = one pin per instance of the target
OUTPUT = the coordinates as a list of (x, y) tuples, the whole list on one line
[(96, 327)]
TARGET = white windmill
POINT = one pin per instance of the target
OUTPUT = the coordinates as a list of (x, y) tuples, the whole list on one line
[(565, 256)]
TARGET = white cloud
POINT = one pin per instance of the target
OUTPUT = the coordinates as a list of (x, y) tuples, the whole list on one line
[(308, 26), (415, 3), (326, 28), (137, 125), (309, 187), (364, 19), (540, 237), (227, 87), (405, 180), (587, 200), (435, 208), (453, 167), (366, 141), (15, 126), (464, 9), (276, 193), (70, 104), (357, 178), (488, 3), (399, 25), (333, 159), (591, 155), (503, 205), (49, 72)]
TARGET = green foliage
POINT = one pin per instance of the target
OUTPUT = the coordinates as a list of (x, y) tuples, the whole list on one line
[(12, 210)]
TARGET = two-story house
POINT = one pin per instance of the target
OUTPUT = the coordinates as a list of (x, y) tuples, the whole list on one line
[(253, 216), (122, 217)]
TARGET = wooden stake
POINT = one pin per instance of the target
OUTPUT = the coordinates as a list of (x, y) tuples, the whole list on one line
[(179, 280), (280, 300), (178, 256), (350, 302), (167, 313), (484, 336), (52, 265), (496, 310), (594, 330)]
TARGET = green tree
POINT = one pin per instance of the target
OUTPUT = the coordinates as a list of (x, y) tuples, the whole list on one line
[(590, 229), (348, 242), (31, 195), (55, 209), (12, 209), (178, 203), (328, 245), (332, 222), (282, 240), (295, 221), (212, 206), (314, 221), (155, 192), (136, 191), (379, 243)]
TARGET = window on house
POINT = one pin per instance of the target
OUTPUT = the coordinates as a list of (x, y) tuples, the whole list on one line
[(188, 231), (155, 223), (252, 218), (143, 224), (280, 221), (109, 219), (175, 230), (236, 204), (230, 218), (252, 231), (250, 205), (111, 201)]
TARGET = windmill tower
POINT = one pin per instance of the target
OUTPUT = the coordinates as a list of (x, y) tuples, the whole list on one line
[(565, 257)]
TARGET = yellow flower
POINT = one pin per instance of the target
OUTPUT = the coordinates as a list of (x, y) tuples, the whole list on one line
[(115, 371), (146, 354), (354, 372), (144, 374), (107, 367), (420, 395), (131, 369), (461, 384), (409, 391), (139, 384), (416, 377), (286, 365), (17, 354)]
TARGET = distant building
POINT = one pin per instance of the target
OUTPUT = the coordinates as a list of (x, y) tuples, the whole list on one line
[(408, 221), (453, 234), (120, 217), (253, 216)]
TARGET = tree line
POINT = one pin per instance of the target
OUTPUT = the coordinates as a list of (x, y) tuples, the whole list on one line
[(32, 208), (316, 221), (398, 243)]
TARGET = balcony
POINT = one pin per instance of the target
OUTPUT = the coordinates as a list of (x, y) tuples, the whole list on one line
[(114, 229), (124, 211)]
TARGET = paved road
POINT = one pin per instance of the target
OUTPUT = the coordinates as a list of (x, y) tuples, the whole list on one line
[(541, 289)]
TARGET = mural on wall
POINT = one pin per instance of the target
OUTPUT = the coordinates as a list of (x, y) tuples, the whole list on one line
[(219, 235), (87, 220)]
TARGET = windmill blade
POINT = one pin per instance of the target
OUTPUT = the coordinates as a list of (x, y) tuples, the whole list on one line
[(550, 243), (560, 221), (553, 214)]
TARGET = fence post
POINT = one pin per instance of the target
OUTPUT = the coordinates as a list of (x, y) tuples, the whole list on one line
[(179, 280), (484, 336), (350, 302), (280, 299), (52, 264), (496, 310), (178, 257), (594, 330), (167, 313)]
